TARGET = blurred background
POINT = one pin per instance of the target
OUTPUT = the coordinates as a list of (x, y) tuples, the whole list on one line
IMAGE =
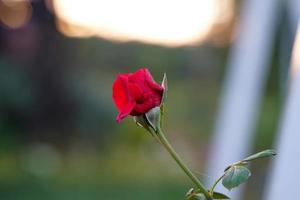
[(58, 59)]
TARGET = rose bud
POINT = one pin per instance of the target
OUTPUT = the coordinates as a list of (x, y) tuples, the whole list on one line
[(136, 93)]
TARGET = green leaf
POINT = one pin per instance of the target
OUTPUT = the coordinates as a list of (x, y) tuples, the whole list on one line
[(217, 195), (198, 196), (190, 192), (153, 117), (262, 154), (194, 195), (235, 176)]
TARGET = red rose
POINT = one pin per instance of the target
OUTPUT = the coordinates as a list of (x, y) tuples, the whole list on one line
[(136, 93)]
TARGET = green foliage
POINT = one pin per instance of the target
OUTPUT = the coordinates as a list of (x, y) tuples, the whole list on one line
[(194, 195), (34, 189), (217, 195), (197, 195), (262, 154), (235, 176), (238, 173)]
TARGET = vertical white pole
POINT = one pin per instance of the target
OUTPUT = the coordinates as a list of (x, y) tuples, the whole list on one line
[(285, 177), (246, 76)]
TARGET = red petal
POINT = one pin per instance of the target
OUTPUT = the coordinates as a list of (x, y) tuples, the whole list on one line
[(145, 80), (140, 109), (138, 77), (151, 83), (135, 91), (126, 111), (121, 95)]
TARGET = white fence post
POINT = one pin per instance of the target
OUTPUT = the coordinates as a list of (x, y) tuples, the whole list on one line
[(285, 176), (246, 76)]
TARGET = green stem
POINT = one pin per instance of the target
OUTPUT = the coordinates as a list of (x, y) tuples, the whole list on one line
[(211, 191), (181, 164)]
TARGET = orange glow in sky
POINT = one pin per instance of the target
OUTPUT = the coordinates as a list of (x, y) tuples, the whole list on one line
[(166, 22)]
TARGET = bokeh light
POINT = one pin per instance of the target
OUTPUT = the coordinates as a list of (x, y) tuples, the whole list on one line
[(15, 13), (165, 22)]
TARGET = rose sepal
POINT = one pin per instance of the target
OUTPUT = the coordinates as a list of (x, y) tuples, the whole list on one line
[(142, 122), (152, 119)]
